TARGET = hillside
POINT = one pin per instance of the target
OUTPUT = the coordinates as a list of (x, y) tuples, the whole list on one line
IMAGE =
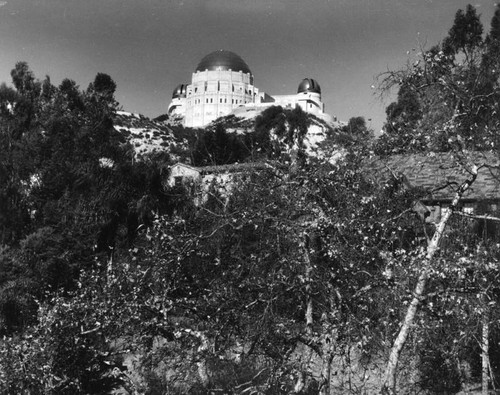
[(148, 136), (145, 135)]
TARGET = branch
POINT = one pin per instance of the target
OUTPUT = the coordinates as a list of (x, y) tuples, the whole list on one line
[(250, 382), (82, 332), (253, 345), (486, 216), (211, 212), (400, 215), (448, 184), (417, 206), (310, 343), (215, 231)]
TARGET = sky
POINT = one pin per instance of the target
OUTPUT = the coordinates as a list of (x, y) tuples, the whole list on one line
[(149, 47)]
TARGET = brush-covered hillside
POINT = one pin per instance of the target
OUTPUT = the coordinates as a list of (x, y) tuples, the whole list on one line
[(264, 135), (145, 136)]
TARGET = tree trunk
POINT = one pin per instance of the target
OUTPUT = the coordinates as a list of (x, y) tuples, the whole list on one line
[(326, 368), (202, 351), (301, 375), (485, 355), (326, 374), (308, 280), (389, 383), (109, 268), (301, 383)]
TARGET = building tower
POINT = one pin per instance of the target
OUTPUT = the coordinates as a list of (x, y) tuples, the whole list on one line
[(221, 82)]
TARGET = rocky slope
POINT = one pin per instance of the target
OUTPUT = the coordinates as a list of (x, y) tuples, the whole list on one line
[(145, 135)]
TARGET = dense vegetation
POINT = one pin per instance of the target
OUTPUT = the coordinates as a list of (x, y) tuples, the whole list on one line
[(303, 279), (451, 88)]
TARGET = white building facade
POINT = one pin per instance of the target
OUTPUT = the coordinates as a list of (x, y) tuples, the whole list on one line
[(223, 84)]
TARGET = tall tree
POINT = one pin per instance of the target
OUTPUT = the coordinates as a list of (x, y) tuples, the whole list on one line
[(453, 81), (457, 81), (466, 33)]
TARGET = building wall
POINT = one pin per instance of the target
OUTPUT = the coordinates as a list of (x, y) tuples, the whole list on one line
[(309, 102), (201, 182), (215, 93), (177, 107), (181, 172)]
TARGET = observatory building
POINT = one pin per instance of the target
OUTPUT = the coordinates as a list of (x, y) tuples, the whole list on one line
[(223, 84)]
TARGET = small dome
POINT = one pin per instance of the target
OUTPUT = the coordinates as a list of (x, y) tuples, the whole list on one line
[(179, 91), (309, 85), (223, 60)]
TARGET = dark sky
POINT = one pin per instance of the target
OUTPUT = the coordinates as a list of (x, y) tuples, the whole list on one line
[(150, 46)]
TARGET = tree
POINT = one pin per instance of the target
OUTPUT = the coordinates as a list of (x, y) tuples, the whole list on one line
[(24, 80), (57, 198), (465, 35), (280, 133), (218, 147), (104, 85), (454, 81), (354, 135), (246, 287), (286, 240), (457, 81), (389, 384)]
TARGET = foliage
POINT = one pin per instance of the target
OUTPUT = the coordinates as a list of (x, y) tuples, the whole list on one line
[(109, 279), (226, 289), (446, 102), (66, 352), (68, 187), (218, 147), (446, 94), (355, 135), (278, 134)]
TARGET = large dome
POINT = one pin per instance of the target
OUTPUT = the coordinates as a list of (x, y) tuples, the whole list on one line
[(223, 60), (309, 85)]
